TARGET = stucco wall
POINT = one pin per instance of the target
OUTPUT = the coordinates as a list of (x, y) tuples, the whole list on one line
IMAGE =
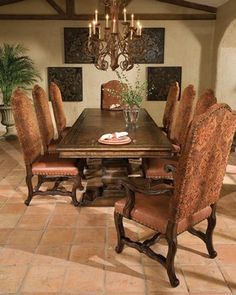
[(187, 43), (224, 70)]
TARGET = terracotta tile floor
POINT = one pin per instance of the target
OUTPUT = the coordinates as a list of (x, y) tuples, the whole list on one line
[(52, 247)]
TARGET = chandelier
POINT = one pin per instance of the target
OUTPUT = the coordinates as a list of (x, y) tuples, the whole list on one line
[(120, 48)]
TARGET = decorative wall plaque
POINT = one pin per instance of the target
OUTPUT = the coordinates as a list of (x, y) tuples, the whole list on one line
[(160, 79), (69, 80), (75, 46), (154, 41)]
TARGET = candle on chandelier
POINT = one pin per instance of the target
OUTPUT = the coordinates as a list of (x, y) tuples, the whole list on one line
[(90, 30), (114, 26), (132, 20), (131, 34), (99, 32), (94, 27), (125, 19), (107, 21), (140, 30), (96, 16)]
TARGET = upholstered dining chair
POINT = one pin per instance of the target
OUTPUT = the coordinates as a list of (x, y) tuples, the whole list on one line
[(206, 100), (184, 116), (58, 110), (172, 98), (154, 167), (108, 98), (172, 210), (44, 118), (48, 167)]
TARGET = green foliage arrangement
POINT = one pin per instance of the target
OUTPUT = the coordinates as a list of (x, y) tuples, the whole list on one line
[(16, 70), (130, 95)]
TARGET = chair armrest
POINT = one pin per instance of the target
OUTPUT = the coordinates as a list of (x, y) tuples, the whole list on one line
[(144, 186)]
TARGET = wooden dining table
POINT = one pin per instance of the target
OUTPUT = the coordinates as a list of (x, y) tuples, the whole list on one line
[(147, 140)]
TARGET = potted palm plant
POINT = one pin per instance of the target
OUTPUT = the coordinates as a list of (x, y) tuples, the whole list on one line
[(16, 70)]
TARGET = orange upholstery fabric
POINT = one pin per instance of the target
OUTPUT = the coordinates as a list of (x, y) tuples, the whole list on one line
[(153, 211), (43, 115), (155, 168), (58, 107), (47, 165), (107, 98), (169, 111), (184, 115), (203, 161), (26, 126), (206, 100)]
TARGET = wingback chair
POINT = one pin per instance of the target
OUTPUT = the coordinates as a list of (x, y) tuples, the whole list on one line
[(58, 110), (172, 210), (172, 99), (108, 98), (44, 118), (206, 100), (50, 168)]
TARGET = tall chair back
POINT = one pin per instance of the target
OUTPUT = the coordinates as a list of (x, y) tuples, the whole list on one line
[(184, 115), (172, 99), (203, 161), (26, 125), (107, 97), (206, 100), (58, 108), (43, 115)]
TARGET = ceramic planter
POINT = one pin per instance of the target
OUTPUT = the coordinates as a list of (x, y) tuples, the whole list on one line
[(8, 120)]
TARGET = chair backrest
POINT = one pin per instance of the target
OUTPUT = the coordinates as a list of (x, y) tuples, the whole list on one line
[(58, 108), (203, 161), (26, 126), (206, 100), (43, 115), (184, 115), (107, 97), (172, 99)]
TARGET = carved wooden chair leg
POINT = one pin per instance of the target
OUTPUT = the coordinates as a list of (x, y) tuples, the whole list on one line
[(81, 165), (57, 183), (40, 182), (77, 184), (171, 237), (209, 233), (28, 180), (120, 232)]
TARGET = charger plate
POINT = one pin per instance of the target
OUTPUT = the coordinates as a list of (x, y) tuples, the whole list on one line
[(114, 140)]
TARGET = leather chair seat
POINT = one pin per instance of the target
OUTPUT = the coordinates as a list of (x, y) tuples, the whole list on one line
[(153, 211), (52, 165), (155, 168)]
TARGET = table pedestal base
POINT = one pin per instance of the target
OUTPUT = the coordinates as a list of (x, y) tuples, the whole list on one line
[(103, 180)]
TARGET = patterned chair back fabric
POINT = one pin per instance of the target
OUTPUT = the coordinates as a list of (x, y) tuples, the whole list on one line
[(184, 115), (43, 115), (203, 161), (107, 98), (26, 126), (172, 99), (58, 108), (206, 100)]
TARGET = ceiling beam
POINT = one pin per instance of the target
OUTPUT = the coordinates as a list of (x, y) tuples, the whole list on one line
[(192, 5), (70, 7), (87, 17), (56, 7), (6, 2)]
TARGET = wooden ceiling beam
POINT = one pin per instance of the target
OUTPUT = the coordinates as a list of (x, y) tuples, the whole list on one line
[(6, 2), (87, 17), (192, 5), (56, 7), (70, 7)]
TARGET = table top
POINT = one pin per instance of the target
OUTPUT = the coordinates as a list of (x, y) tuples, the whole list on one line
[(82, 140)]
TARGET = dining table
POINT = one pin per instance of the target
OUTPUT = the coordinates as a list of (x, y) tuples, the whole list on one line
[(147, 140)]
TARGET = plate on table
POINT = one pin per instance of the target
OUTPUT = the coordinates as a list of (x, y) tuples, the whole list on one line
[(114, 140)]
